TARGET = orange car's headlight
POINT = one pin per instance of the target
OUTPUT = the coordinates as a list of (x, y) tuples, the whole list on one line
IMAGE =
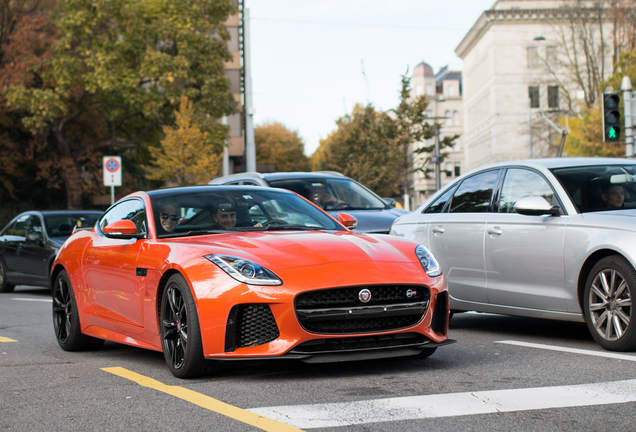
[(428, 261), (244, 270)]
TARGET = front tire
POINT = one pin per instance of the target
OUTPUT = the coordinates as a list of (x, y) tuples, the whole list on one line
[(66, 318), (608, 304), (5, 287), (180, 332)]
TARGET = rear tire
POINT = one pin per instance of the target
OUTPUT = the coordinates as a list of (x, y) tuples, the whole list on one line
[(607, 304), (66, 322), (180, 332), (5, 287)]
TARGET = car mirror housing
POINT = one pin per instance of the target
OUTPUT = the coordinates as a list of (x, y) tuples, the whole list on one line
[(390, 202), (34, 237), (123, 229), (347, 220), (536, 206)]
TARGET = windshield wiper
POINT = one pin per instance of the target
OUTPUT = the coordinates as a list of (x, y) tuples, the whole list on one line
[(194, 233), (291, 227)]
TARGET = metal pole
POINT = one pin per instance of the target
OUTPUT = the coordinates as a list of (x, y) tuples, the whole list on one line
[(530, 123), (112, 195), (626, 86), (250, 146), (226, 153), (438, 170)]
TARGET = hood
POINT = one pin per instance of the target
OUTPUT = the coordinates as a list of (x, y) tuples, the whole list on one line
[(612, 219), (372, 221), (280, 250)]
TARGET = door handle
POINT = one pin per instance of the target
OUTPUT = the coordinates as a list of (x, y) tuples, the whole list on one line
[(90, 258), (439, 230), (495, 231)]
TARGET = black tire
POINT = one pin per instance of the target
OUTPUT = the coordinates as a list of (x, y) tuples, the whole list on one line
[(426, 352), (66, 322), (607, 304), (5, 287), (180, 332)]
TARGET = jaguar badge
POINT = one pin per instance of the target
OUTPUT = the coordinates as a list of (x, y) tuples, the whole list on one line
[(364, 295)]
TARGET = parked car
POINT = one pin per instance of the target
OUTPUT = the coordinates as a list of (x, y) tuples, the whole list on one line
[(544, 238), (213, 273), (332, 191), (30, 242)]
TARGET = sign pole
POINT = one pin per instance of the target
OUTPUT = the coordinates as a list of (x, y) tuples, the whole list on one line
[(626, 86), (112, 194)]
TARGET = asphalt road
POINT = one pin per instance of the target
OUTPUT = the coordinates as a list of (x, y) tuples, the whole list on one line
[(504, 373)]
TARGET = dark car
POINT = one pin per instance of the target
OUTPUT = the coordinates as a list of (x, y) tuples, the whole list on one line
[(31, 241), (332, 191)]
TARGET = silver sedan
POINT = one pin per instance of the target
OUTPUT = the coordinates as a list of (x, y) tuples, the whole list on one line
[(544, 238)]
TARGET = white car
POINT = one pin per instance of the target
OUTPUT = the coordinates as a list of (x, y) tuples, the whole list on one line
[(544, 238)]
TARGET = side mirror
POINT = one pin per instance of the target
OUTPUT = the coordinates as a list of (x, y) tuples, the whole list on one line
[(536, 206), (390, 202), (123, 229), (347, 220), (34, 237)]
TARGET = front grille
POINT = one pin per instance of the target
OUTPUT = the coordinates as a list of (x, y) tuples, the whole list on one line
[(250, 325), (359, 343), (340, 310), (440, 314)]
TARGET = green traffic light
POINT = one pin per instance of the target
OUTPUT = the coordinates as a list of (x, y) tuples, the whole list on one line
[(612, 133)]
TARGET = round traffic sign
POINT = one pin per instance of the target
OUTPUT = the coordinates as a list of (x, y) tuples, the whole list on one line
[(112, 165)]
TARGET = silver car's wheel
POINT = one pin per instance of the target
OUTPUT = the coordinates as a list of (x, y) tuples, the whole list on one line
[(608, 304), (4, 285)]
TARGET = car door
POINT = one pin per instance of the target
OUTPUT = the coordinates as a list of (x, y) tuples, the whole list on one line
[(456, 236), (524, 254), (35, 255), (110, 267), (12, 238)]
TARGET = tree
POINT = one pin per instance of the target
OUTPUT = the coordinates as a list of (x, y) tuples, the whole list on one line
[(276, 145), (122, 67), (185, 157), (361, 149)]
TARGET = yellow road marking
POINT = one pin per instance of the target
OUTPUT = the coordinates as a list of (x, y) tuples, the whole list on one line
[(204, 401), (6, 339)]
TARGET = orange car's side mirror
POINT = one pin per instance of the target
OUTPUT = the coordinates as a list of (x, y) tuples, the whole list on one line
[(124, 229), (347, 220)]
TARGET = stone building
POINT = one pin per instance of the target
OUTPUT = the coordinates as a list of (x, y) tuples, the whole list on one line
[(515, 75), (444, 93)]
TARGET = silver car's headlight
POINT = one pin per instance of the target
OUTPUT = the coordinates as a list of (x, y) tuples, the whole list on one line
[(428, 261), (244, 270)]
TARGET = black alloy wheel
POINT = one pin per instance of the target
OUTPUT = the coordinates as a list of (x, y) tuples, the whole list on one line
[(66, 321), (180, 333), (5, 286), (608, 304)]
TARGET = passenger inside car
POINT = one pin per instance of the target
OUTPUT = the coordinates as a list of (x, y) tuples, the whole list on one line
[(613, 195), (168, 216)]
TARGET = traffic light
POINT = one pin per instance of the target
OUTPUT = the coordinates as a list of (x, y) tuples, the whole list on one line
[(611, 118)]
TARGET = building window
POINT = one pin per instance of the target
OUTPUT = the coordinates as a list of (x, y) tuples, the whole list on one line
[(449, 169), (533, 58), (553, 96), (451, 90), (455, 118), (447, 119), (533, 94), (458, 169), (429, 89)]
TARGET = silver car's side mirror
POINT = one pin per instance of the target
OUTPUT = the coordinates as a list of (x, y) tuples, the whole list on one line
[(536, 206)]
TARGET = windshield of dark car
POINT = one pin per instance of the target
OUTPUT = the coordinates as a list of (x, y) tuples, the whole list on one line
[(599, 187), (61, 225), (333, 194), (235, 209)]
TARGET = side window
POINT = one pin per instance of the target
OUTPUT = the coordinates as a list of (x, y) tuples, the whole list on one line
[(133, 210), (521, 183), (440, 202), (474, 194), (18, 228), (35, 225), (250, 183)]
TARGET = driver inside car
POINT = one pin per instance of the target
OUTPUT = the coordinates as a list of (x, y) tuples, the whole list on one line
[(320, 196), (225, 216)]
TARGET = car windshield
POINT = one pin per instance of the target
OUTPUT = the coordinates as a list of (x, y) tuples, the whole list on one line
[(237, 209), (61, 225), (599, 187), (333, 194)]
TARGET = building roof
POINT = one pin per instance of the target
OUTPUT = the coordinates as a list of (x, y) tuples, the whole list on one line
[(423, 70)]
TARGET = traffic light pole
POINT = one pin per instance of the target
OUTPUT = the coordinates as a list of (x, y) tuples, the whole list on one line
[(626, 86)]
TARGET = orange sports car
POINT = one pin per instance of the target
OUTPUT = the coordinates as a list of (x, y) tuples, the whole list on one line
[(208, 274)]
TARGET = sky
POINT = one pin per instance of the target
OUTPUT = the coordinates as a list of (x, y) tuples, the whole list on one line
[(313, 60)]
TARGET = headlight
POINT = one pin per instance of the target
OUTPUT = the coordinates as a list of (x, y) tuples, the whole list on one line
[(244, 270), (428, 261)]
